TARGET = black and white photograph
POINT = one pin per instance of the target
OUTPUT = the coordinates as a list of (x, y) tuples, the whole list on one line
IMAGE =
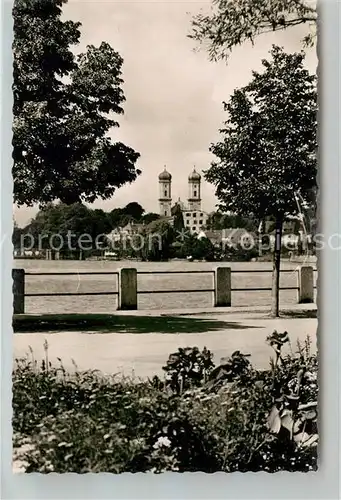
[(165, 236)]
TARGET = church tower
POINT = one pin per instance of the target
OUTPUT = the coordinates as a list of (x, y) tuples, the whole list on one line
[(194, 196), (165, 193)]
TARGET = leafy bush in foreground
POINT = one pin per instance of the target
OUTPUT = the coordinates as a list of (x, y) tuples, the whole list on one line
[(201, 418)]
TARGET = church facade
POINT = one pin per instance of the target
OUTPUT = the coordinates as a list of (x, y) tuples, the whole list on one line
[(195, 218)]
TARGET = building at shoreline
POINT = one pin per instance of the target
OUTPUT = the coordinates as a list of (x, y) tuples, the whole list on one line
[(195, 218)]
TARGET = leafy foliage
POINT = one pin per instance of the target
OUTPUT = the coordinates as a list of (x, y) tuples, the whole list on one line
[(226, 418), (238, 253), (159, 236), (64, 109), (269, 142), (188, 368), (178, 224), (150, 217), (196, 248), (295, 406), (76, 225), (233, 22), (133, 212), (267, 155), (237, 366), (218, 220)]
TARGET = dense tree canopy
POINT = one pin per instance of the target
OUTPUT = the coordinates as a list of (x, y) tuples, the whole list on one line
[(159, 236), (233, 22), (198, 248), (177, 214), (266, 158), (149, 217), (218, 221), (133, 212), (64, 108)]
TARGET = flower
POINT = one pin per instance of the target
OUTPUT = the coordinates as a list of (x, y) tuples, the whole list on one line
[(162, 441), (137, 442)]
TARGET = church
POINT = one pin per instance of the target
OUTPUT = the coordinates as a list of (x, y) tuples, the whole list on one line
[(194, 216)]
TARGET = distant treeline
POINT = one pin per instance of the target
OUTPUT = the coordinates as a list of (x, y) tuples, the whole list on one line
[(173, 240)]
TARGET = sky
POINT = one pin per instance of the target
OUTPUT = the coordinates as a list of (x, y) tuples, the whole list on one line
[(174, 94)]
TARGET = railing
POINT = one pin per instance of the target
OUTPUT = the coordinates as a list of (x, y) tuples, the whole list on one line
[(128, 292)]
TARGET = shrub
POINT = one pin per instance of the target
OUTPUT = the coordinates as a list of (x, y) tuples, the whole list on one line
[(202, 418)]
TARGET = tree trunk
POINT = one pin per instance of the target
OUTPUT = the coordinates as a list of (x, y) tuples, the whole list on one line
[(276, 268)]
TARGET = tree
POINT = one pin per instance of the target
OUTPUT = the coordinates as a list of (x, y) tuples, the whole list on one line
[(218, 221), (267, 154), (203, 249), (233, 22), (115, 217), (100, 221), (16, 235), (72, 227), (178, 223), (64, 108), (149, 217), (213, 221), (134, 210), (158, 238), (188, 244)]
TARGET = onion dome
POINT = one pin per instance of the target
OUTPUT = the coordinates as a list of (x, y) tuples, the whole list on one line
[(194, 176), (165, 176)]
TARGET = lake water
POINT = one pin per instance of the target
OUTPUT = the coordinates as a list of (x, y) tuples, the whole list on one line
[(108, 283)]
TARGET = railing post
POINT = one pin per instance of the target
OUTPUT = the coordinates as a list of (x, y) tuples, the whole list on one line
[(127, 289), (222, 287), (18, 276), (305, 284)]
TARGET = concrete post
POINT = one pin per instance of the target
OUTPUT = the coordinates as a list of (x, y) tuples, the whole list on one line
[(305, 284), (222, 287), (18, 276), (127, 289)]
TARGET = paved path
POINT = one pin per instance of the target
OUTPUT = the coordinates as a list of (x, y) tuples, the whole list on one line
[(144, 354)]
